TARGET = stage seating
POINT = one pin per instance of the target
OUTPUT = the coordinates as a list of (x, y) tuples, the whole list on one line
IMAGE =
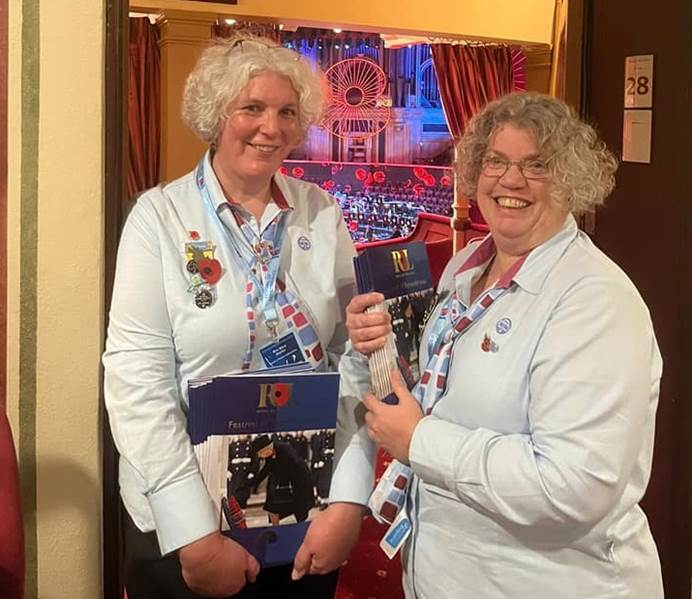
[(12, 538)]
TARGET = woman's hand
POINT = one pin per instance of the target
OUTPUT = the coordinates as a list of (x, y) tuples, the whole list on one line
[(329, 540), (216, 566), (392, 426), (368, 332)]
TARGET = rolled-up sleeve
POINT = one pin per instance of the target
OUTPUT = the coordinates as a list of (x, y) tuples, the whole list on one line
[(593, 386), (141, 392)]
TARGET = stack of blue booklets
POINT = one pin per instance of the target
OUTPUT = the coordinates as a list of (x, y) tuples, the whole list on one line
[(402, 274), (265, 445)]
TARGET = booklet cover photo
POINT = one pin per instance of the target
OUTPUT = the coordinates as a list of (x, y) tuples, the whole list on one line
[(265, 445)]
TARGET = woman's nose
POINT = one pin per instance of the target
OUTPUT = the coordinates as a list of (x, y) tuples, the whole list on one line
[(513, 176), (270, 123)]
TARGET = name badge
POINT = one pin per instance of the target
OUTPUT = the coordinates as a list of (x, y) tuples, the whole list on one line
[(396, 534), (284, 352)]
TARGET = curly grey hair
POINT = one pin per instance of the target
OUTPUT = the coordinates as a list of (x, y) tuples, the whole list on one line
[(581, 167), (226, 66)]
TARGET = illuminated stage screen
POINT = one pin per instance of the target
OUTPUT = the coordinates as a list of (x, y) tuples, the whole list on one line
[(379, 201)]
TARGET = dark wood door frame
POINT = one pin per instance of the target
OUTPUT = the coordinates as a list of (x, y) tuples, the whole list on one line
[(115, 163), (647, 199)]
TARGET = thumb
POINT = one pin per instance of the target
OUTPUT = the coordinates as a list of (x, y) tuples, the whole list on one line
[(301, 563), (399, 387), (252, 568)]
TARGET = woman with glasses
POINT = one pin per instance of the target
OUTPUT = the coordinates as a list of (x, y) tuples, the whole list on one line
[(522, 453), (211, 269)]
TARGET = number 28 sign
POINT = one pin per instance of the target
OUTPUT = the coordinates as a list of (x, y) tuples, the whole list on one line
[(639, 80)]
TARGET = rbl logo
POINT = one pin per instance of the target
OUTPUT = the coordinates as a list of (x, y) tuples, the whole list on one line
[(276, 394), (401, 261)]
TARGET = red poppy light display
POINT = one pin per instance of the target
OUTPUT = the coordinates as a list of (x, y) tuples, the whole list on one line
[(361, 174), (420, 172)]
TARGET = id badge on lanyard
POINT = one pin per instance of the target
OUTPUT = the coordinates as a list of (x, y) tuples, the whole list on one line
[(285, 351)]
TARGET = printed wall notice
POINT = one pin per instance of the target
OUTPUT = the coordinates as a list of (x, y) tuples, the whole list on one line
[(636, 136), (639, 80)]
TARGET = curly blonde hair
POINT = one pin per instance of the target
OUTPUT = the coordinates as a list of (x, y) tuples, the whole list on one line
[(581, 167), (226, 66)]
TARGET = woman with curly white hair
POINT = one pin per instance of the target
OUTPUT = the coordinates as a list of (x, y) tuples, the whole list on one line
[(522, 453), (221, 270)]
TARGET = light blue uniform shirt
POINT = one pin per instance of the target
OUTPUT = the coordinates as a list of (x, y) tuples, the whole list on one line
[(530, 468), (158, 339)]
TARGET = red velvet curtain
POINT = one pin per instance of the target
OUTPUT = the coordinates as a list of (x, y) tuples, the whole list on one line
[(12, 537), (470, 76), (143, 106)]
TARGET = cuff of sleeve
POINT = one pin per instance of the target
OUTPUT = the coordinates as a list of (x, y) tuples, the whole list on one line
[(433, 452), (353, 476), (183, 513)]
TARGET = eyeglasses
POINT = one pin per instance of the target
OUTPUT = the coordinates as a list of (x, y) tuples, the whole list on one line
[(536, 169), (259, 45)]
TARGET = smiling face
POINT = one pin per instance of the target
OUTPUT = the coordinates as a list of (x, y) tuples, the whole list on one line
[(520, 213), (260, 130)]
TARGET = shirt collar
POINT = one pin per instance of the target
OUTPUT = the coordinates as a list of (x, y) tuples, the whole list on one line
[(530, 271), (280, 197), (482, 255), (542, 259)]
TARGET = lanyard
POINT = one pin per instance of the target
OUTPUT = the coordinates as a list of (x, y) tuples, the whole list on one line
[(389, 496), (253, 253), (451, 323)]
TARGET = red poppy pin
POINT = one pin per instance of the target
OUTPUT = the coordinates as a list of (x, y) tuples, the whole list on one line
[(203, 269), (209, 270), (488, 345)]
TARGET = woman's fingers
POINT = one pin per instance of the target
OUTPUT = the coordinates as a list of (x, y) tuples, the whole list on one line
[(360, 302)]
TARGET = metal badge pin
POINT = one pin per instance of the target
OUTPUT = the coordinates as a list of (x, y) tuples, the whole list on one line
[(503, 326), (204, 299)]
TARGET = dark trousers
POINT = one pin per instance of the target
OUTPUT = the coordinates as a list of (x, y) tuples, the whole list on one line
[(150, 576)]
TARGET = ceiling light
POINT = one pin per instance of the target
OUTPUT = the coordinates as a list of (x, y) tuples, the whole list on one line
[(281, 26), (336, 30), (229, 21)]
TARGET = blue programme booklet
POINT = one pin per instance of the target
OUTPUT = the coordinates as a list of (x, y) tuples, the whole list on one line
[(402, 274), (265, 445)]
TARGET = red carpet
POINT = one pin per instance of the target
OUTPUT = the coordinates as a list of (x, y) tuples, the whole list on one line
[(369, 574)]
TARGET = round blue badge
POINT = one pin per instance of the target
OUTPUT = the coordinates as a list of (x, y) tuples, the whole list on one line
[(503, 326), (304, 243)]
